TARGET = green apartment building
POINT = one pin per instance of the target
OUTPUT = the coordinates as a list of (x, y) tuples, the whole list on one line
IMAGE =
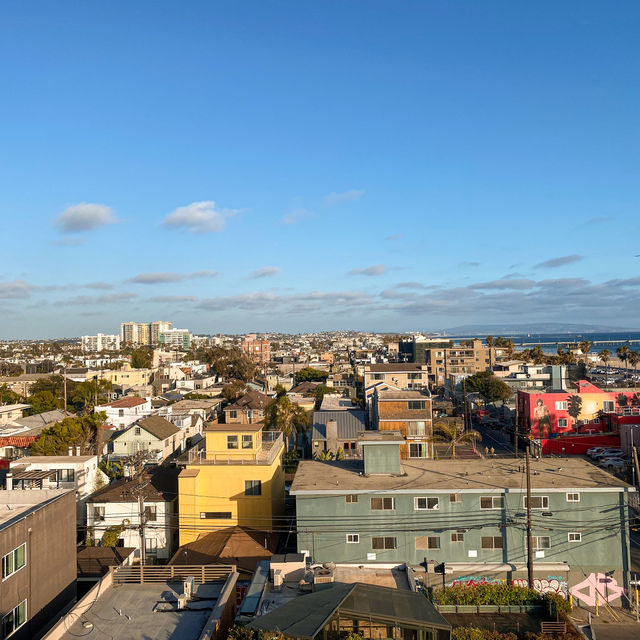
[(464, 521)]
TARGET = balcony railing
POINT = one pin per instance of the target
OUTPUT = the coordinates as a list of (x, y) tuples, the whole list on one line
[(272, 443)]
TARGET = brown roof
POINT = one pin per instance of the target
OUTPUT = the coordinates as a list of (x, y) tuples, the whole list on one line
[(161, 485), (236, 545), (391, 394), (392, 367), (251, 400), (95, 561), (305, 387), (158, 427), (124, 403)]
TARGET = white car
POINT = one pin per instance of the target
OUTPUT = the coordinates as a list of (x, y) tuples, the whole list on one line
[(592, 452), (607, 453), (614, 463)]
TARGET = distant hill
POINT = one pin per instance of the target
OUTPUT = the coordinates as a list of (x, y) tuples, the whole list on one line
[(534, 327)]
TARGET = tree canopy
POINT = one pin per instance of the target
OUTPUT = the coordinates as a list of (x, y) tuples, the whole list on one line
[(489, 386), (309, 374), (285, 415), (142, 358), (70, 432)]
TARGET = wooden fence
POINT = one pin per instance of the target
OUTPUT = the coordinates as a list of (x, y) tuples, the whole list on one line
[(141, 574)]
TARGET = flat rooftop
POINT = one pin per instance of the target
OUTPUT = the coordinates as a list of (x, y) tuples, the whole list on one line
[(553, 474), (16, 503), (148, 611), (232, 426), (28, 460)]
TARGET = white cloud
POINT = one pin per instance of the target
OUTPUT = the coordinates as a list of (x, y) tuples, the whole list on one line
[(374, 270), (265, 272), (166, 277), (295, 216), (15, 289), (345, 196), (199, 217), (85, 217)]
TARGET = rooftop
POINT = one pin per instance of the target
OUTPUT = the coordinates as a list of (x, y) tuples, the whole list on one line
[(332, 402), (252, 428), (6, 408), (125, 403), (396, 367), (159, 427), (490, 475), (350, 423), (160, 484), (29, 460), (391, 394), (16, 503), (250, 400)]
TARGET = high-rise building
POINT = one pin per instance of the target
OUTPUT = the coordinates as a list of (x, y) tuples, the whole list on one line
[(180, 338), (142, 333), (101, 342)]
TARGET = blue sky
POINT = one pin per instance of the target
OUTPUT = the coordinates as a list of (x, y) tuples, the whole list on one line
[(294, 166)]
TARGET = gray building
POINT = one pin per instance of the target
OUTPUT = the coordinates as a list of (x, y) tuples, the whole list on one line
[(333, 430), (466, 519)]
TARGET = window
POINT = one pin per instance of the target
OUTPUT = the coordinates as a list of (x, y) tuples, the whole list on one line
[(352, 497), (417, 428), (120, 413), (457, 536), (253, 487), (66, 475), (573, 497), (427, 542), (382, 504), (418, 450), (416, 405), (596, 421), (232, 442), (377, 376), (383, 543), (14, 619), (492, 542), (215, 515), (541, 542), (419, 504), (136, 431), (537, 502), (98, 514), (563, 422), (561, 405), (608, 406), (575, 537), (353, 538), (491, 502), (14, 561), (247, 442), (166, 442), (151, 514), (233, 414), (415, 376), (455, 497)]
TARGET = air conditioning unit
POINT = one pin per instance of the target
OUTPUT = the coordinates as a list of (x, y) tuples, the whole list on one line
[(278, 580)]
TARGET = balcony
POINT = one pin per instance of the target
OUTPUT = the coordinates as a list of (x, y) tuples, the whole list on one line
[(272, 443)]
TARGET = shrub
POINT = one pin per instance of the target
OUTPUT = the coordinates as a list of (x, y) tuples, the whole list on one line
[(493, 593), (473, 633), (558, 606)]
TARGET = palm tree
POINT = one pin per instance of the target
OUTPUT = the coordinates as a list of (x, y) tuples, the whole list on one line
[(623, 354), (453, 434), (634, 359), (585, 347), (605, 356), (286, 416)]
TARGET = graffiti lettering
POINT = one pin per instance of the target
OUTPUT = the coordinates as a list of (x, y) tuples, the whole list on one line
[(597, 585), (471, 581), (550, 584)]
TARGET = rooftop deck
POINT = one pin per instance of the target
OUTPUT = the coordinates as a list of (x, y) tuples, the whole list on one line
[(272, 445)]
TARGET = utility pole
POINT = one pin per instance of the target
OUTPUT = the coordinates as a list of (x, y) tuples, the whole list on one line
[(143, 559), (529, 536), (64, 376)]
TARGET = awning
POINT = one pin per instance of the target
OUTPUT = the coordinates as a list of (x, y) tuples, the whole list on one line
[(34, 475)]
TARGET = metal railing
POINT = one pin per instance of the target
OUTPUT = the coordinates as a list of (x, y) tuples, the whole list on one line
[(271, 447)]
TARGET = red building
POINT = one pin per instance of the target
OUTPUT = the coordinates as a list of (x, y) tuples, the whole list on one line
[(258, 350), (588, 409)]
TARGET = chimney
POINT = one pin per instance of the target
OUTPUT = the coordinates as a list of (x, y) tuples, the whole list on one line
[(331, 430), (9, 481), (70, 451), (78, 450)]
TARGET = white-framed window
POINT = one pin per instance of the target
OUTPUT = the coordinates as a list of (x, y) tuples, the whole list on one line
[(353, 538), (247, 442), (491, 502), (351, 498), (561, 405), (573, 497), (233, 414), (608, 406), (384, 542), (98, 514), (455, 497), (377, 376), (537, 502), (541, 542), (13, 620), (563, 422), (416, 405), (383, 504), (429, 504), (14, 561), (457, 536), (417, 428), (66, 475), (418, 450), (575, 536), (136, 431), (232, 442)]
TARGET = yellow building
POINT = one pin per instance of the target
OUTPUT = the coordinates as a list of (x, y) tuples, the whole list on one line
[(237, 480)]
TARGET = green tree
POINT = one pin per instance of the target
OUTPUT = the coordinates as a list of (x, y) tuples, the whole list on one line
[(233, 390), (574, 409), (585, 347), (605, 356), (285, 415), (70, 432), (454, 435), (142, 358), (322, 390), (623, 354), (490, 387), (634, 359), (44, 401), (111, 535), (309, 374), (7, 396), (538, 356)]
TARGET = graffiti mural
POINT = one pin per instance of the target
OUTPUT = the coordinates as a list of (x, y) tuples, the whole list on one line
[(472, 581), (597, 585), (550, 584)]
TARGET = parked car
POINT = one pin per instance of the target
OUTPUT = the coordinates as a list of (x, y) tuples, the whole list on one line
[(614, 463), (607, 452), (591, 452)]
